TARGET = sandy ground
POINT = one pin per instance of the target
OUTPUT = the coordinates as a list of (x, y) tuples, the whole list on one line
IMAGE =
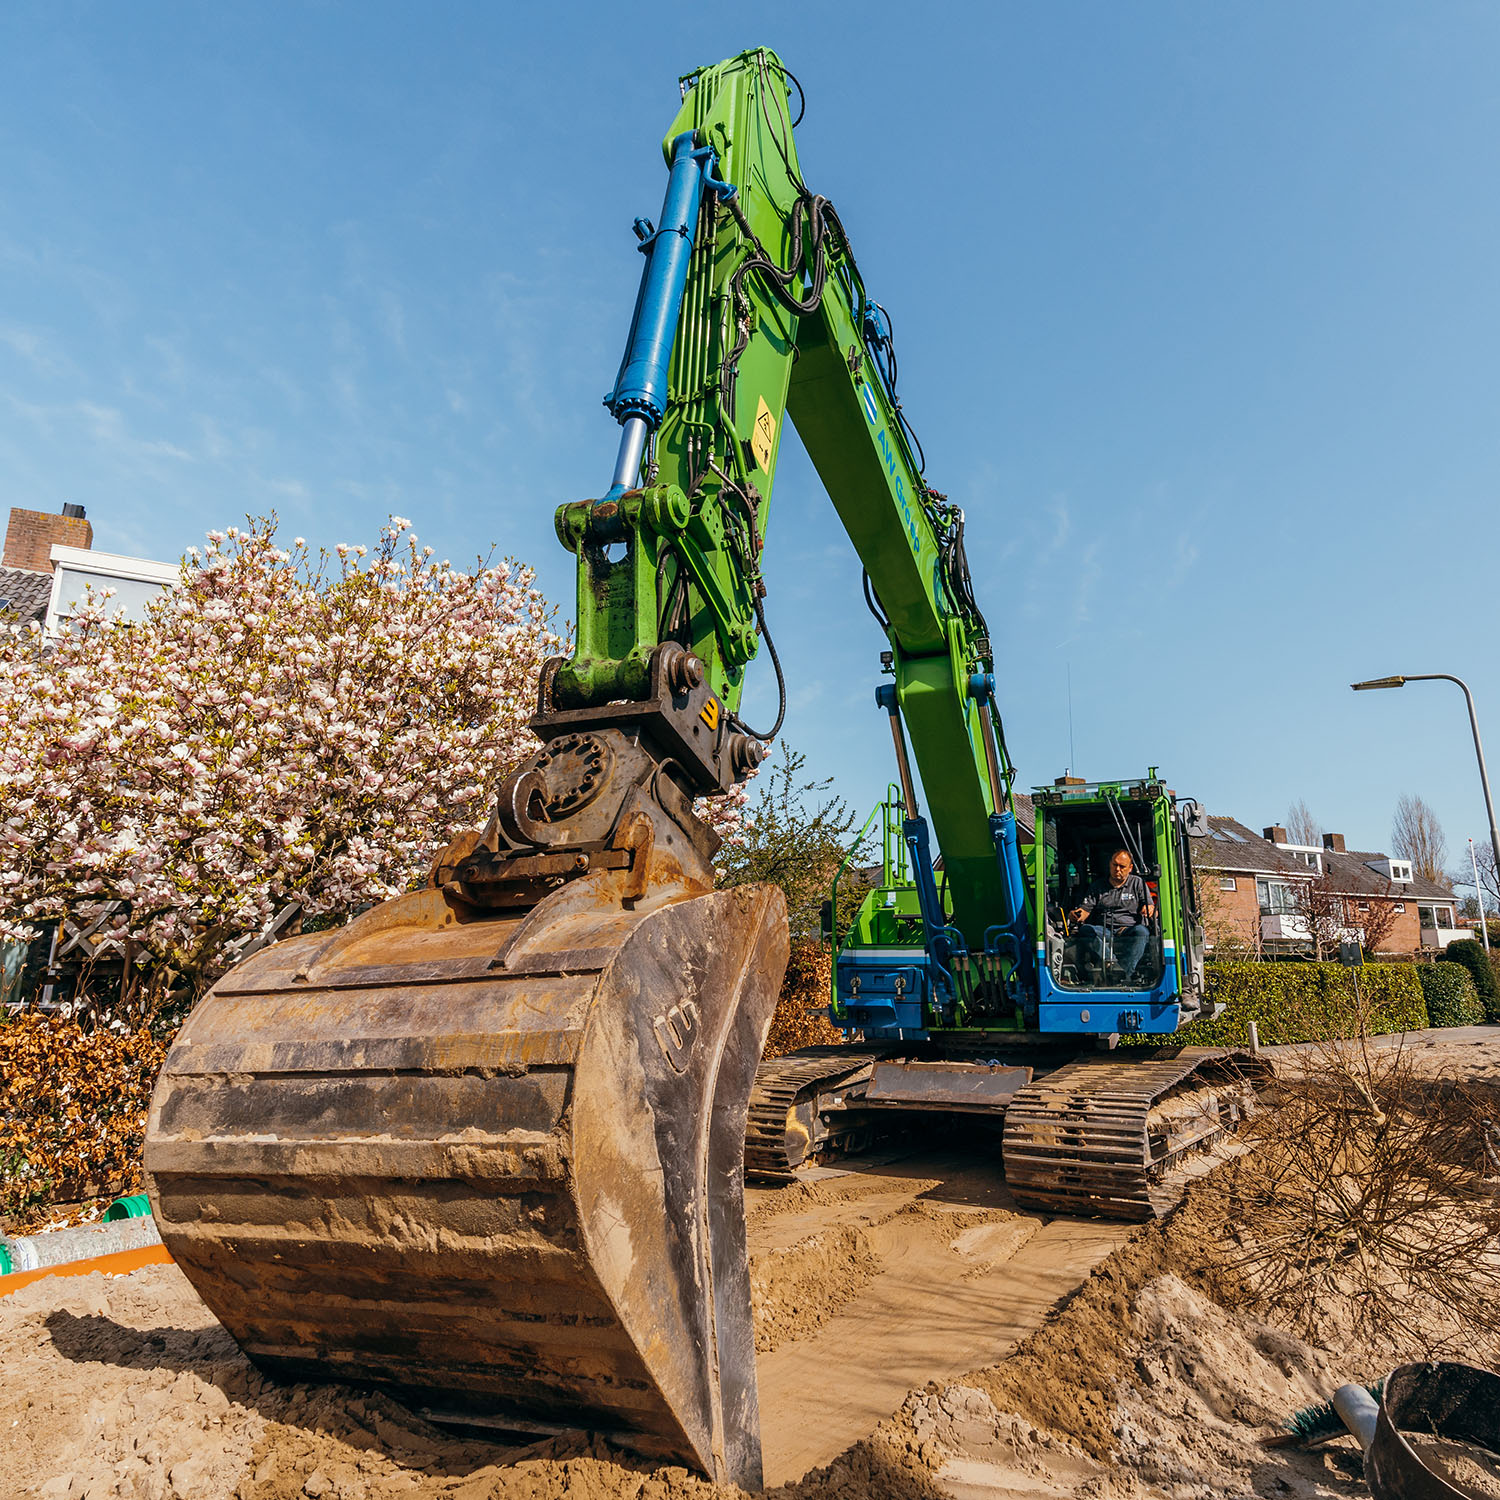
[(946, 1274), (918, 1338), (1472, 1052), (868, 1280)]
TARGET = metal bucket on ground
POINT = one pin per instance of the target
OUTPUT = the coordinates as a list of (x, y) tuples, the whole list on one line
[(489, 1157)]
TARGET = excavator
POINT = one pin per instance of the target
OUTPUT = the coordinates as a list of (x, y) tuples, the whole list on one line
[(485, 1146)]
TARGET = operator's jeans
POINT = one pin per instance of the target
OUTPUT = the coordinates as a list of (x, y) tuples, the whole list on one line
[(1130, 944)]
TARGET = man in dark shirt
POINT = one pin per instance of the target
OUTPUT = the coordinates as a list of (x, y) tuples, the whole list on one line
[(1122, 906)]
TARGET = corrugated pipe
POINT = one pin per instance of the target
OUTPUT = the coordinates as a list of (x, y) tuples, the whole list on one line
[(134, 1206), (33, 1252)]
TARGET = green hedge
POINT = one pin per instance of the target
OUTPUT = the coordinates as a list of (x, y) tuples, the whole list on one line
[(1470, 953), (1300, 1002), (1452, 999)]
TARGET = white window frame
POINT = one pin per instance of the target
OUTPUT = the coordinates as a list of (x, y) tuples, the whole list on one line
[(1227, 883), (104, 566), (1289, 906), (1309, 858)]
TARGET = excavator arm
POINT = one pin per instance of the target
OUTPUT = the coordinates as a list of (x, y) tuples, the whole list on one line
[(752, 309)]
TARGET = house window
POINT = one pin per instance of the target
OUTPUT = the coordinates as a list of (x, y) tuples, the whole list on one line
[(1309, 857), (1425, 917), (1362, 905), (135, 581), (1445, 916), (1277, 898), (1226, 882), (1399, 907)]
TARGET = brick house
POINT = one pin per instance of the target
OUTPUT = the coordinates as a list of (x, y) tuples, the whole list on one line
[(49, 563), (1252, 887), (1247, 887)]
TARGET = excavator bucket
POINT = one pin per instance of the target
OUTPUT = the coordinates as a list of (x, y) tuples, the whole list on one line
[(489, 1158)]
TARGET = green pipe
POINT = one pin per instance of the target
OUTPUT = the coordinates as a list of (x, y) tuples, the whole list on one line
[(134, 1206)]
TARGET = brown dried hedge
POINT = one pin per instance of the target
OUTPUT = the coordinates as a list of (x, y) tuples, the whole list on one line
[(72, 1111), (806, 984)]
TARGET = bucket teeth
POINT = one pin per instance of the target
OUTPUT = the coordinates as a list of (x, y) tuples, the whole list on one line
[(492, 1165)]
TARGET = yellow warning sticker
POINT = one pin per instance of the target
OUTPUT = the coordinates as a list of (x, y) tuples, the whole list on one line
[(710, 713), (763, 439)]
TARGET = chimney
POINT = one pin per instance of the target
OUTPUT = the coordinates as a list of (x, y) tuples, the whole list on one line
[(1275, 834), (1334, 841), (1070, 781), (32, 534)]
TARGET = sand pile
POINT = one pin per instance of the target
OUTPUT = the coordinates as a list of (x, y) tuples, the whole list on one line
[(797, 1289)]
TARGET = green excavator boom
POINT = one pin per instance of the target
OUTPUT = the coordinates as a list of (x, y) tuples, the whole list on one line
[(774, 321)]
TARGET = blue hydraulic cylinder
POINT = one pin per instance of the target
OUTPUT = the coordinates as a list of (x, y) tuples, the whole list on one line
[(639, 398), (914, 825), (919, 846), (1008, 852)]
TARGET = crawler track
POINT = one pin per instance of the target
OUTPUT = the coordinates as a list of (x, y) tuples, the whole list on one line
[(1104, 1136), (783, 1129)]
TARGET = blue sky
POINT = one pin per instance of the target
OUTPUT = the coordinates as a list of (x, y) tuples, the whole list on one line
[(1197, 307)]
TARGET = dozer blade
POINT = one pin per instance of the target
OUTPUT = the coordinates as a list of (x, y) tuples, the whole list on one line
[(490, 1161)]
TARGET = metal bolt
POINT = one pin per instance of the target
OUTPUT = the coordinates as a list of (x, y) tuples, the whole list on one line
[(684, 672)]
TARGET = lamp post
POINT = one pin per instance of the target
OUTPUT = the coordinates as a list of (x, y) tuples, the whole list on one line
[(1484, 776)]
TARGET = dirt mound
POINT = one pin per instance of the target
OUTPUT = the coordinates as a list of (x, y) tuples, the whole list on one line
[(975, 1449), (797, 1289), (1208, 1384), (1063, 1377)]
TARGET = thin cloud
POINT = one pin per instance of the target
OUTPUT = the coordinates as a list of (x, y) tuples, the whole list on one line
[(36, 348), (109, 429)]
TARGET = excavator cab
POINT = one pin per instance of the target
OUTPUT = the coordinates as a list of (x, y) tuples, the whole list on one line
[(1091, 978)]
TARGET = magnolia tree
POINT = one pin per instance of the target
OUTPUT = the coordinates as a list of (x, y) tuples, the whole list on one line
[(279, 727)]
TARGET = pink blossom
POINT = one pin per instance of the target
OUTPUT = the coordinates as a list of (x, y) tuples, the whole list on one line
[(272, 730)]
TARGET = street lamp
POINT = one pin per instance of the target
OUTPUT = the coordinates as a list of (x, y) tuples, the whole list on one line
[(1484, 777)]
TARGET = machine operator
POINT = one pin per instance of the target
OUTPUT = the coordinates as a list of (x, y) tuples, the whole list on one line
[(1120, 906)]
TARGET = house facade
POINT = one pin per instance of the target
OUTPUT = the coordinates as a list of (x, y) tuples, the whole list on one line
[(1265, 892)]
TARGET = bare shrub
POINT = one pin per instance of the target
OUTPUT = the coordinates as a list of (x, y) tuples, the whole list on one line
[(1364, 1198)]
